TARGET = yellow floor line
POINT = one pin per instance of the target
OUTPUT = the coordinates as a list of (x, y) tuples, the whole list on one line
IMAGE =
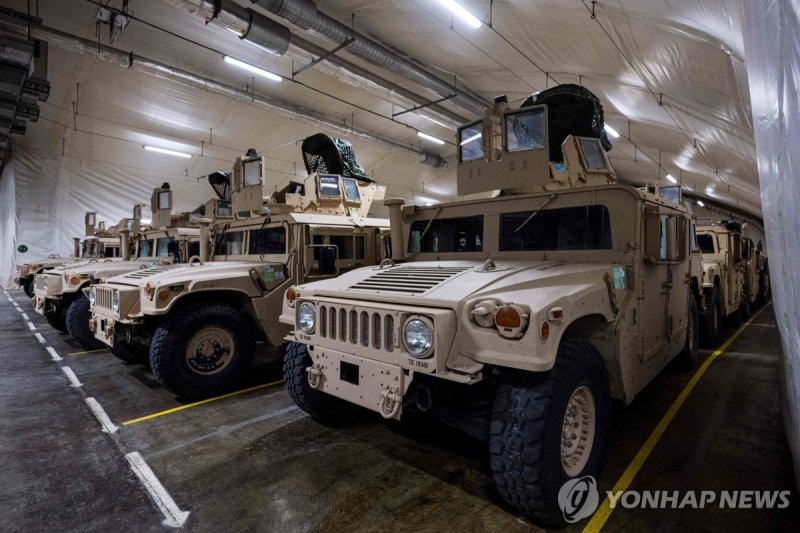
[(604, 511), (195, 404), (89, 351)]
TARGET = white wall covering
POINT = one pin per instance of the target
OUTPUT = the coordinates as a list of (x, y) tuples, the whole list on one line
[(44, 198), (773, 59)]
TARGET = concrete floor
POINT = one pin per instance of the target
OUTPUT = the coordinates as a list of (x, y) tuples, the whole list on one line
[(255, 462)]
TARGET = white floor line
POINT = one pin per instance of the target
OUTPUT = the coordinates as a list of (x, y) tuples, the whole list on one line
[(102, 417), (72, 377), (54, 354), (40, 338), (31, 326), (24, 315), (174, 516)]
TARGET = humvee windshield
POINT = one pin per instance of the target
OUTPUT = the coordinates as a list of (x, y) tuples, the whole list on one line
[(146, 248), (162, 247), (706, 243), (445, 235), (267, 241), (571, 228), (229, 243), (90, 248)]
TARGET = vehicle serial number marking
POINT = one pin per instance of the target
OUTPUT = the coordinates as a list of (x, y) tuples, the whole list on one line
[(421, 364)]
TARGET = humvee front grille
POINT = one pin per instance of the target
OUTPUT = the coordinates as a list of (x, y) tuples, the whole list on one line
[(375, 330), (408, 279), (102, 298)]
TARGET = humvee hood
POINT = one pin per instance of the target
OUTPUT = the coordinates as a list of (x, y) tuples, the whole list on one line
[(443, 282), (180, 273), (102, 269)]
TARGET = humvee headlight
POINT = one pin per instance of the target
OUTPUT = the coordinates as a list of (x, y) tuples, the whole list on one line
[(115, 301), (418, 337), (306, 317), (92, 295), (511, 321)]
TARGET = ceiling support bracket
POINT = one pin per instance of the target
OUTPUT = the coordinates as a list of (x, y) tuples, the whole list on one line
[(423, 106), (324, 56)]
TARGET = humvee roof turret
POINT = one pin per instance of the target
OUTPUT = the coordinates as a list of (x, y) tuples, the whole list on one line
[(514, 318), (199, 324)]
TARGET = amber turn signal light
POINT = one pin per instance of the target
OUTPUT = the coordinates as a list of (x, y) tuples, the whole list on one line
[(507, 317), (291, 295)]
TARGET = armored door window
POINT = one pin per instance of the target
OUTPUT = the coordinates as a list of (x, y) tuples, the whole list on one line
[(193, 248), (706, 243), (344, 243), (360, 247)]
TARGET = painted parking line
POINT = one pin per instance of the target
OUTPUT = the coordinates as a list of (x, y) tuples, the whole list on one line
[(195, 404), (89, 351), (71, 376), (174, 517), (624, 482), (102, 417), (40, 338), (31, 326), (54, 354), (25, 316)]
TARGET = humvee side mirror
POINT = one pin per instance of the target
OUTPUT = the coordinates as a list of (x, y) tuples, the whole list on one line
[(327, 260)]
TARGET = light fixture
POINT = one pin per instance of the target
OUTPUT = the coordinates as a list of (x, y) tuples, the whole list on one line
[(430, 119), (168, 152), (700, 203), (430, 138), (465, 15), (671, 178), (470, 139), (611, 131), (250, 68)]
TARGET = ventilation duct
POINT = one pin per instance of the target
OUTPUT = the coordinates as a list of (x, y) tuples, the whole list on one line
[(304, 14), (434, 160), (272, 36), (150, 67)]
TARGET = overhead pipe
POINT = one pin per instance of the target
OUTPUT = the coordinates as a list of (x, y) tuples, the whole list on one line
[(305, 15), (262, 31), (129, 60)]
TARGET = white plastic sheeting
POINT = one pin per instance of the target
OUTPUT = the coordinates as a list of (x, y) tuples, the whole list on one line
[(773, 59), (44, 197)]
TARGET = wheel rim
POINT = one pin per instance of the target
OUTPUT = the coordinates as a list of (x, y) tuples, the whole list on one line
[(577, 431), (210, 351)]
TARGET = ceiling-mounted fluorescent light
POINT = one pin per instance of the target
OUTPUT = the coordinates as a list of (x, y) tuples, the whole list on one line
[(700, 203), (430, 138), (250, 68), (671, 178), (470, 139), (165, 151), (426, 117), (611, 131), (465, 15)]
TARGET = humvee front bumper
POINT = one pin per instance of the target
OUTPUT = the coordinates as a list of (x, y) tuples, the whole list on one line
[(103, 328), (374, 385)]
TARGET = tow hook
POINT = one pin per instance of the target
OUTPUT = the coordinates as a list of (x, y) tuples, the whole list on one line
[(315, 376), (391, 400), (93, 325)]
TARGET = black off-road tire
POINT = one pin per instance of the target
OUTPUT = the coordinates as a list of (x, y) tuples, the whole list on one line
[(526, 430), (130, 354), (78, 316), (169, 343), (735, 319), (27, 286), (57, 319), (322, 407), (712, 320), (687, 358)]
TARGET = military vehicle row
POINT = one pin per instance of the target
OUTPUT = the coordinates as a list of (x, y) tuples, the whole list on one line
[(735, 277)]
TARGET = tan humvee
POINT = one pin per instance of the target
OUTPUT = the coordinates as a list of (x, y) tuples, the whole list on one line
[(200, 323), (723, 278), (59, 293), (83, 250), (514, 318), (756, 273)]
